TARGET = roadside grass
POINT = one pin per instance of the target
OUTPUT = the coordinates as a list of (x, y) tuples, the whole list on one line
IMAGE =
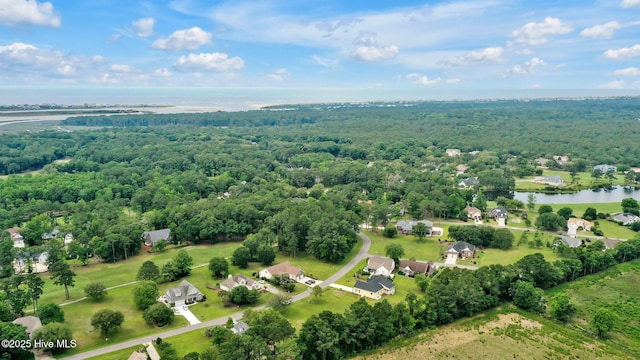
[(112, 274), (505, 257), (78, 317), (332, 299), (117, 355)]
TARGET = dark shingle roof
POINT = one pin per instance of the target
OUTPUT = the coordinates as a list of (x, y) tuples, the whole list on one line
[(375, 284)]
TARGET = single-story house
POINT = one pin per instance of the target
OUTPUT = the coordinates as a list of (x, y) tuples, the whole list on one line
[(30, 322), (626, 218), (459, 249), (18, 239), (52, 235), (576, 224), (570, 241), (551, 180), (468, 182), (68, 238), (499, 214), (380, 266), (406, 226), (183, 294), (239, 280), (375, 287), (137, 356), (411, 268), (294, 272), (610, 243), (151, 238), (453, 152), (472, 212), (561, 159), (239, 327), (605, 168), (542, 162)]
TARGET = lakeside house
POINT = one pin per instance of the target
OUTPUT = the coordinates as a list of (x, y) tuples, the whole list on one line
[(551, 181), (576, 224)]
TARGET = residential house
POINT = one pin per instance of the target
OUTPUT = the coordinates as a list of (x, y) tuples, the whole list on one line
[(406, 226), (30, 322), (551, 180), (239, 280), (461, 169), (472, 212), (52, 235), (453, 152), (411, 268), (570, 241), (380, 266), (604, 168), (576, 224), (375, 287), (542, 162), (151, 238), (239, 327), (68, 238), (137, 356), (459, 249), (284, 268), (474, 152), (183, 294), (626, 218), (561, 159), (611, 243), (18, 239), (468, 182), (499, 214)]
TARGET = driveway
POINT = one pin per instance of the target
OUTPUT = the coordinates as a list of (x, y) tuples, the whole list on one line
[(184, 311), (362, 254)]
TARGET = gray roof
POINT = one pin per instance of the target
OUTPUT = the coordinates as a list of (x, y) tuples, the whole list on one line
[(30, 322), (499, 211), (240, 327), (554, 179), (182, 292), (156, 235), (407, 225), (626, 218), (375, 284), (468, 182), (605, 168), (462, 246), (571, 241), (236, 280)]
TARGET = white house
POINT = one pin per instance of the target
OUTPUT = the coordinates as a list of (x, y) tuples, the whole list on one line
[(380, 266), (239, 280)]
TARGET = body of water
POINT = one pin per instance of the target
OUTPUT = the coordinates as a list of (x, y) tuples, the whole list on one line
[(615, 194)]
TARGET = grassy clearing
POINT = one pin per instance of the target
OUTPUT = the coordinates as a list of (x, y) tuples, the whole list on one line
[(583, 180), (503, 333), (427, 249), (616, 289)]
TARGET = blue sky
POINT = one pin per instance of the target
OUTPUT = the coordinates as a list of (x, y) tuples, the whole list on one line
[(392, 44)]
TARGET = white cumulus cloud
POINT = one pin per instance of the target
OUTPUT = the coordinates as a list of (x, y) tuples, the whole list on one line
[(277, 75), (422, 79), (375, 53), (529, 67), (16, 12), (163, 72), (210, 62), (632, 71), (537, 33), (622, 53), (187, 39), (120, 68), (630, 3), (492, 54), (617, 84), (604, 31), (144, 27)]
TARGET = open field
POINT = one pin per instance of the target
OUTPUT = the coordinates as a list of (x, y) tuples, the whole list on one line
[(615, 289), (583, 180), (503, 333)]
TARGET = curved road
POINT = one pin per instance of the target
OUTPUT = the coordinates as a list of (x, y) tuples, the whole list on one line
[(362, 254)]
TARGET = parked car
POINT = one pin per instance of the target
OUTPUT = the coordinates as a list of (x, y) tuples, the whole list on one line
[(310, 282)]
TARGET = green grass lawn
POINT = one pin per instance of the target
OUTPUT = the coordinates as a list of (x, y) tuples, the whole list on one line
[(613, 230), (505, 257), (117, 355), (78, 317), (111, 274), (583, 180), (426, 249)]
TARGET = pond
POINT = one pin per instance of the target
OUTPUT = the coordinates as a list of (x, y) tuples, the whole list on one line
[(602, 195)]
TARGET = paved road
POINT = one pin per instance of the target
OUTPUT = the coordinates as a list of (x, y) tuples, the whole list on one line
[(523, 229), (362, 254)]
